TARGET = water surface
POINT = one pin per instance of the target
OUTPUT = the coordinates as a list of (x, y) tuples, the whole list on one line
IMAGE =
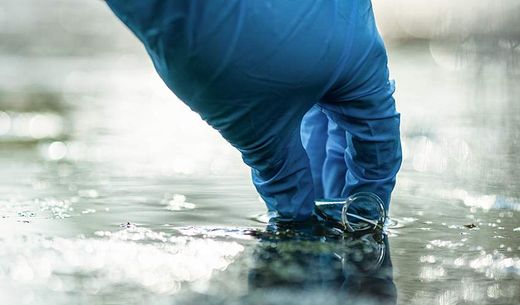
[(113, 192)]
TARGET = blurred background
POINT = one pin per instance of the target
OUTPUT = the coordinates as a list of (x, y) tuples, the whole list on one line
[(91, 139)]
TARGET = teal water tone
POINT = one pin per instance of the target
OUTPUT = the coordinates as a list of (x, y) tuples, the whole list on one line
[(113, 192)]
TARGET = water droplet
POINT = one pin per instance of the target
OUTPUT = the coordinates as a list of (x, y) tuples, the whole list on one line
[(45, 125), (57, 150), (178, 203), (427, 259)]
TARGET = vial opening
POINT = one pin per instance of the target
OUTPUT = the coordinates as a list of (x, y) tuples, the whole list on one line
[(363, 211)]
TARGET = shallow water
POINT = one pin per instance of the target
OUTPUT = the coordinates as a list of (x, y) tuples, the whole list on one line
[(113, 192)]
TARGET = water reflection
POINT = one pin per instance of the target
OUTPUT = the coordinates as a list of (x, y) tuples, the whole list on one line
[(90, 138), (301, 269)]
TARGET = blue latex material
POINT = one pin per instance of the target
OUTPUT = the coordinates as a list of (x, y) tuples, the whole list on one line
[(299, 87)]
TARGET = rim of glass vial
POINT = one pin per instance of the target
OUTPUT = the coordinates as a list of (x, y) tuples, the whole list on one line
[(377, 225)]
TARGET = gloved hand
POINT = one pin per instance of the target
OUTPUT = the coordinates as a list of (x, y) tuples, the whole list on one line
[(258, 70)]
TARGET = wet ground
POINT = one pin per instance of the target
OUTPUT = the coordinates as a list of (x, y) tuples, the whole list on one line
[(113, 192)]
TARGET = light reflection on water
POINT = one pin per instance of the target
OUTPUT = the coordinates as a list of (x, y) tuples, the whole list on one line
[(112, 191), (134, 257)]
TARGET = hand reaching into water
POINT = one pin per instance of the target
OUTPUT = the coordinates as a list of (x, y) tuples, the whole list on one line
[(300, 88)]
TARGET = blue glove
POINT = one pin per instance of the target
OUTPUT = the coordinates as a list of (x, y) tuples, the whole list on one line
[(299, 87)]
